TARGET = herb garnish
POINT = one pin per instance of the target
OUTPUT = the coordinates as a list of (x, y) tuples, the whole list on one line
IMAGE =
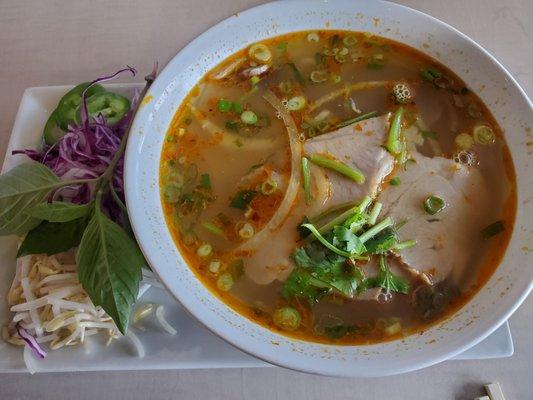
[(109, 260), (492, 230), (242, 199), (327, 265)]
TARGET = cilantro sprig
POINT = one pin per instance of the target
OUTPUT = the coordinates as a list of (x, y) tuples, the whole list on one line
[(327, 264)]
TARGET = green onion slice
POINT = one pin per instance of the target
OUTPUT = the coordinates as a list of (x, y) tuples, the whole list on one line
[(224, 105), (212, 228), (434, 205), (484, 135), (338, 166), (306, 180), (249, 117)]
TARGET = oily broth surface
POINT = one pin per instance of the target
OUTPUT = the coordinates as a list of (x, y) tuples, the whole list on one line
[(226, 157)]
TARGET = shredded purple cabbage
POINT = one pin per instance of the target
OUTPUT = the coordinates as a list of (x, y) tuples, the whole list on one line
[(85, 152), (30, 341)]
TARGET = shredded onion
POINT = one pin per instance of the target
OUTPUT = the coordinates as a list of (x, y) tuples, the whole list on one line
[(345, 91), (229, 69), (294, 181)]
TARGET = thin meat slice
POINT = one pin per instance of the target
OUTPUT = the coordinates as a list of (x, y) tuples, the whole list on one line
[(357, 145), (446, 241)]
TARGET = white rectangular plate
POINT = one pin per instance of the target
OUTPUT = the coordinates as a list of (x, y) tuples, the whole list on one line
[(193, 347)]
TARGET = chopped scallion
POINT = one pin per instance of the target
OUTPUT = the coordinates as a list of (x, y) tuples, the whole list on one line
[(214, 266), (237, 107), (306, 180), (287, 318), (338, 166), (205, 181), (318, 76), (212, 228), (434, 204), (260, 53), (224, 105), (225, 282), (249, 117), (204, 250), (374, 213), (484, 135), (269, 186), (376, 229), (313, 37), (296, 103), (242, 199), (405, 245), (297, 74), (246, 231), (464, 141), (430, 74)]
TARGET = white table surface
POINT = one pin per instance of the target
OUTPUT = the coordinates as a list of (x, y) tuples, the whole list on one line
[(52, 42)]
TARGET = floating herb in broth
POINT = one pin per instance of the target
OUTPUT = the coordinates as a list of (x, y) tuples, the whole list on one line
[(337, 175)]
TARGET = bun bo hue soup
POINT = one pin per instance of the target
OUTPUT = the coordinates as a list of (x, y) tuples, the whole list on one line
[(337, 187)]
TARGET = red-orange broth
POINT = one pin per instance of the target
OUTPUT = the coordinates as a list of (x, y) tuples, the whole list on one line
[(226, 165)]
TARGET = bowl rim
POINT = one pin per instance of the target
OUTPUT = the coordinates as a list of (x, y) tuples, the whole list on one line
[(137, 222)]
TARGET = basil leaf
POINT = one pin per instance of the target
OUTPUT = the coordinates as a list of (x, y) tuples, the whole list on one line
[(59, 211), (53, 237), (109, 267), (20, 189)]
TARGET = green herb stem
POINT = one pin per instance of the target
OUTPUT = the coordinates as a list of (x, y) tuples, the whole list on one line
[(212, 228), (376, 229), (338, 166), (332, 210), (405, 245), (357, 119), (327, 244), (361, 208), (374, 213), (306, 180)]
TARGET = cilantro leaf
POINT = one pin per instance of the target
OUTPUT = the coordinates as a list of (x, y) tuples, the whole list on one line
[(320, 272), (302, 285), (382, 242), (339, 331), (350, 241), (242, 199), (387, 280)]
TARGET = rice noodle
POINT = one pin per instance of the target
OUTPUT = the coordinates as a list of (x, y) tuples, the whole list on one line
[(345, 91), (294, 181)]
